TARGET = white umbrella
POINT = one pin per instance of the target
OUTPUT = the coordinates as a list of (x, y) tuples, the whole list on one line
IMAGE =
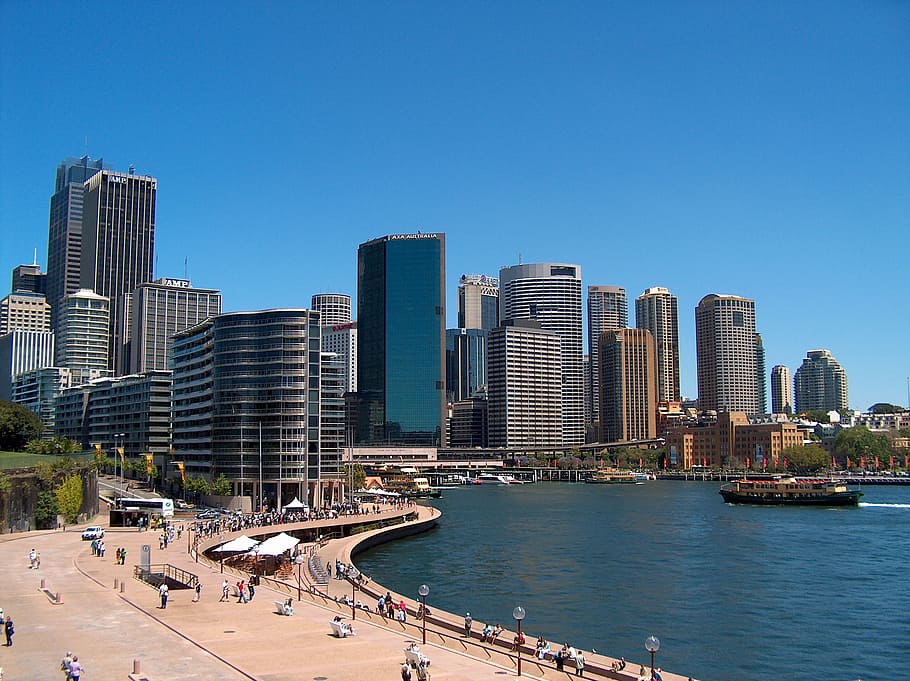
[(275, 546), (295, 504), (241, 543)]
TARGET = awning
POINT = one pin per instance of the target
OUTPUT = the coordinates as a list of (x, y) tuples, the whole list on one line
[(241, 543), (275, 546), (295, 504)]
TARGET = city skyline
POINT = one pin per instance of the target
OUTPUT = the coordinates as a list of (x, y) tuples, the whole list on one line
[(703, 160)]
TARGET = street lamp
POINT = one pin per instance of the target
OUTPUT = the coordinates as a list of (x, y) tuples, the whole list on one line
[(519, 614), (353, 601), (652, 645), (299, 560), (424, 591)]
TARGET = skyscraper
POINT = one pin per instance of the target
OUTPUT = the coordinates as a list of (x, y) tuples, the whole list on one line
[(466, 363), (83, 336), (478, 302), (64, 241), (118, 242), (525, 392), (22, 351), (608, 310), (158, 311), (28, 278), (628, 383), (781, 390), (24, 310), (335, 308), (551, 294), (727, 351), (820, 383), (656, 311), (401, 339)]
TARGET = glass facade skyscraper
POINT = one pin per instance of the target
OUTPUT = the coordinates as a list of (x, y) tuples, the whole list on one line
[(401, 340)]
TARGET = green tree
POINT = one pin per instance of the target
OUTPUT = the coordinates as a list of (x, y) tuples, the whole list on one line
[(69, 497), (18, 425), (860, 441), (885, 408), (816, 415), (5, 484), (359, 476), (221, 486), (806, 459), (46, 510), (196, 484)]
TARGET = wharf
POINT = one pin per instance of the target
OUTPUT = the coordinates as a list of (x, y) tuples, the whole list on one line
[(115, 625)]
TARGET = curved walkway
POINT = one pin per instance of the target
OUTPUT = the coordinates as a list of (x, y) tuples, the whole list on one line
[(111, 629)]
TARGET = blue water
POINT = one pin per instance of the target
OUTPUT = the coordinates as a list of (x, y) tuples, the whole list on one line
[(733, 593)]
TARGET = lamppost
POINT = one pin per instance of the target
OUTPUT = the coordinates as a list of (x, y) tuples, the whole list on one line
[(353, 601), (652, 645), (299, 560), (519, 614), (424, 591)]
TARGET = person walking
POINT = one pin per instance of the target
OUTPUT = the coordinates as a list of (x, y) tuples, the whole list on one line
[(31, 559), (163, 592), (198, 590), (468, 621), (224, 592), (405, 671), (9, 630), (75, 669), (580, 663), (65, 664)]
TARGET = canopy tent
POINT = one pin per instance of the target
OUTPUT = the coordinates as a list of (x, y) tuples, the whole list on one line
[(275, 546), (241, 543), (295, 505)]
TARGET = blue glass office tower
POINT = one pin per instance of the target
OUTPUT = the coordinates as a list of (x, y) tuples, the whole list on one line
[(401, 340)]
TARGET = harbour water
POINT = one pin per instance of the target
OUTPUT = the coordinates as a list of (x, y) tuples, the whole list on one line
[(734, 593)]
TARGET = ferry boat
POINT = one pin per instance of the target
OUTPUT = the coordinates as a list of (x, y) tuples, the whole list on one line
[(499, 479), (790, 491), (614, 476), (408, 483)]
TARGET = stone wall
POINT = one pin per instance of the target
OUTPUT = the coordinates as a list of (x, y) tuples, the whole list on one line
[(17, 506)]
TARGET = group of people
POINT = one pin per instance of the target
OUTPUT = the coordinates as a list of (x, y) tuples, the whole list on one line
[(98, 548), (71, 667), (387, 606), (489, 634), (8, 628), (421, 665)]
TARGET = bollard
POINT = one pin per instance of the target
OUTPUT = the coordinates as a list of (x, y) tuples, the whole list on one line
[(58, 598), (136, 667), (122, 587), (116, 583), (43, 584)]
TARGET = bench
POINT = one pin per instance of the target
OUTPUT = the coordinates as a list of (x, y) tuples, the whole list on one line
[(282, 609), (414, 657), (340, 629)]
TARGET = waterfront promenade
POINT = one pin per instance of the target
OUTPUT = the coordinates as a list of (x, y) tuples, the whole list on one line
[(109, 628)]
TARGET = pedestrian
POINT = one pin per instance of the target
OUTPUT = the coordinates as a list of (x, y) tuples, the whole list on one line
[(75, 669), (9, 630), (224, 591), (423, 674), (559, 659), (405, 671), (198, 592), (580, 663), (468, 621), (65, 664), (31, 559), (241, 596), (254, 580), (37, 560), (163, 592)]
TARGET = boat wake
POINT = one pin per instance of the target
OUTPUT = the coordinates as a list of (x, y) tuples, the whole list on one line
[(863, 503)]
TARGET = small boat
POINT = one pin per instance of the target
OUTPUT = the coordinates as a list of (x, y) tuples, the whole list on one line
[(614, 476), (790, 491), (499, 479)]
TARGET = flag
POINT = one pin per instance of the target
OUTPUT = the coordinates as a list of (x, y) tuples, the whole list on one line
[(833, 462), (748, 462), (877, 465), (906, 461), (640, 463), (786, 463), (849, 463), (764, 464), (704, 461), (148, 463), (120, 452), (862, 462), (891, 457), (182, 469), (98, 452)]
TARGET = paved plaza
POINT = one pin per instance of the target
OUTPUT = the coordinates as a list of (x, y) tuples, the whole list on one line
[(111, 629)]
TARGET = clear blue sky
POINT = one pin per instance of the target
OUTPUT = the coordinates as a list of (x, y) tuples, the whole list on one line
[(753, 148)]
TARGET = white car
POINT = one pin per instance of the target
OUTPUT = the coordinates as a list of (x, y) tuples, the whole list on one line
[(93, 532)]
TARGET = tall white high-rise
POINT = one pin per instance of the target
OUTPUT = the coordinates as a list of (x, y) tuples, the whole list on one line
[(334, 308), (781, 390), (656, 311), (551, 294), (83, 336), (728, 355)]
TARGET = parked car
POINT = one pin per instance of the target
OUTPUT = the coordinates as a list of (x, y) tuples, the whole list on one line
[(207, 515), (93, 532)]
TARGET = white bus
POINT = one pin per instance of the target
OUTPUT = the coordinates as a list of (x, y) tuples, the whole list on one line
[(163, 507)]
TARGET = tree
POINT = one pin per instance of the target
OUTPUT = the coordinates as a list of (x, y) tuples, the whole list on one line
[(46, 510), (196, 484), (816, 415), (885, 408), (359, 477), (69, 497), (18, 425), (861, 442), (806, 459), (221, 486)]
